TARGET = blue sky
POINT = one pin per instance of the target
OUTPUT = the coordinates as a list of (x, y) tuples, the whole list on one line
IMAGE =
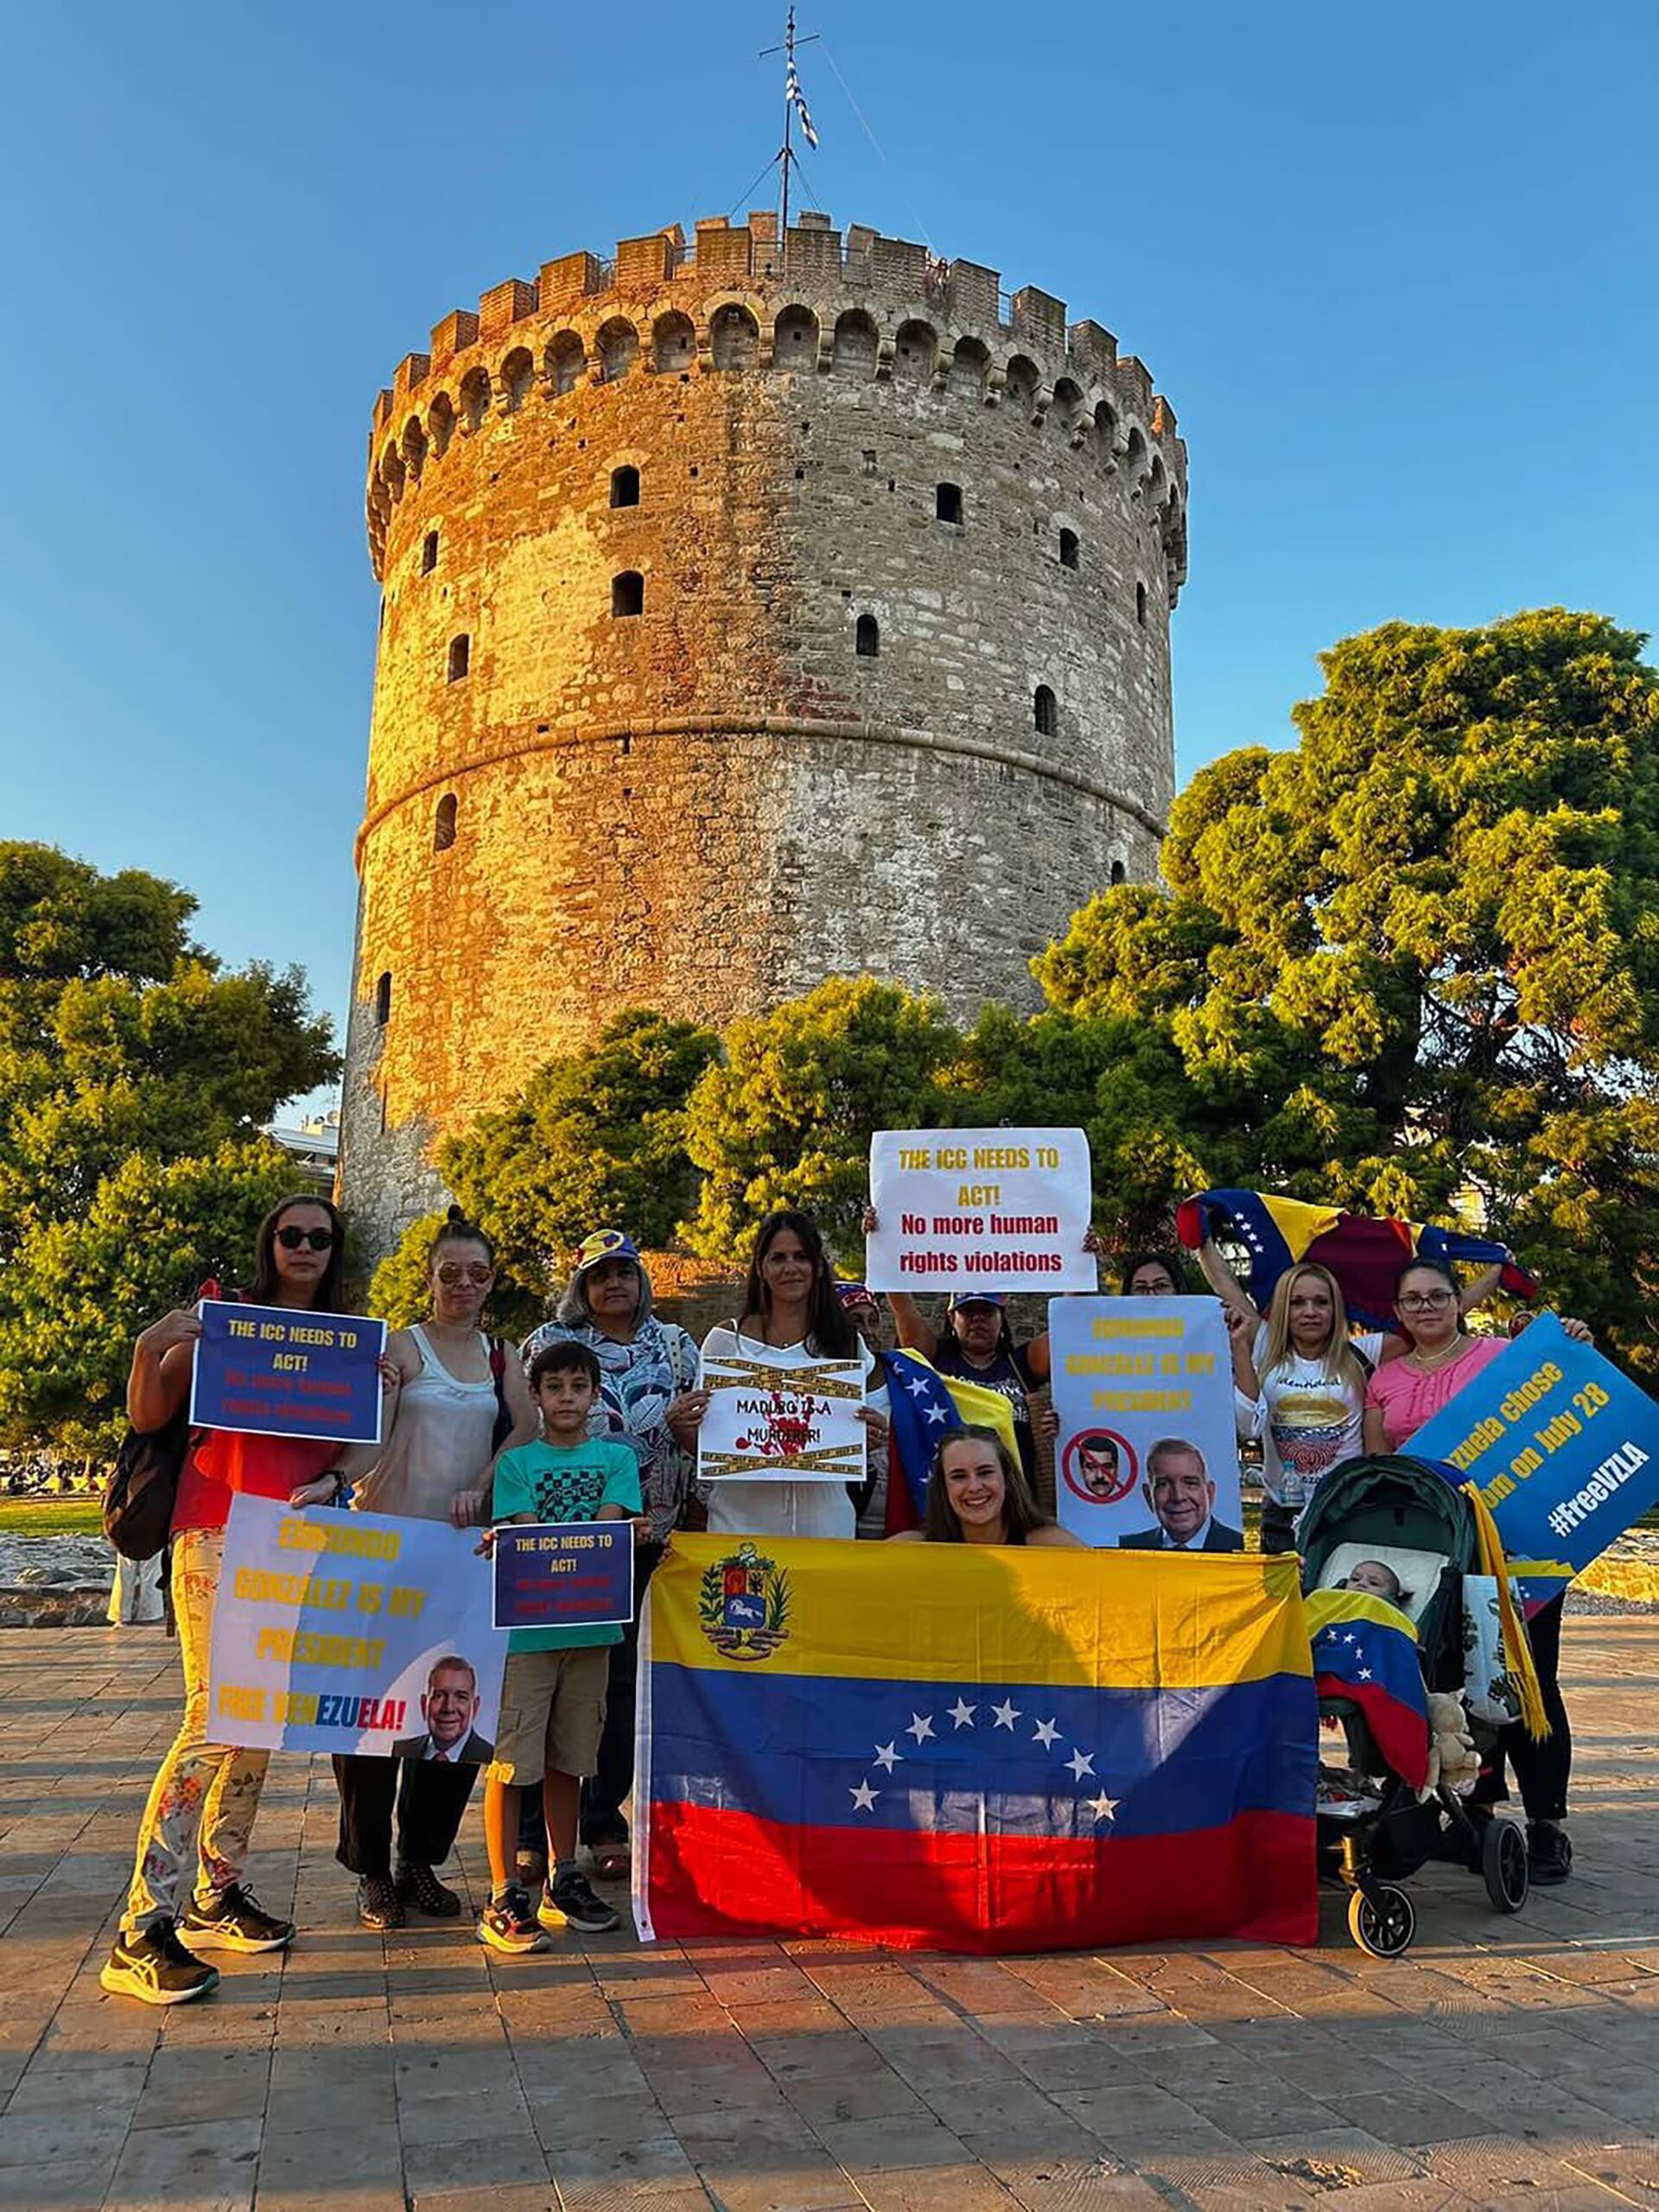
[(1392, 264)]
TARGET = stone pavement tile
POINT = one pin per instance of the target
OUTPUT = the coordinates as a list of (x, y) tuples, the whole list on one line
[(91, 2035), (983, 1986), (1484, 2167), (332, 2103), (817, 2055), (935, 2189), (533, 2196), (495, 2161), (1631, 2167), (573, 2121), (803, 2016), (331, 2157), (649, 2167), (1139, 2121), (1417, 2115), (934, 2060), (773, 2163), (1008, 2107), (871, 2146), (727, 2089), (74, 2184), (1079, 2062), (878, 2094), (206, 2169), (1271, 2106), (1337, 2157), (429, 2118), (578, 2070), (762, 1978), (444, 2071), (35, 2137), (328, 2196), (185, 2087)]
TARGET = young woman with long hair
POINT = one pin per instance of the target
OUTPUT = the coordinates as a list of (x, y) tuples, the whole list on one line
[(976, 1494)]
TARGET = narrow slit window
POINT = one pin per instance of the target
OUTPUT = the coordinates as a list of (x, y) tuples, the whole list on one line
[(1068, 548), (628, 592), (443, 823), (1119, 874), (429, 552), (460, 657), (1045, 712), (383, 999), (868, 638), (624, 487), (947, 503), (1140, 605)]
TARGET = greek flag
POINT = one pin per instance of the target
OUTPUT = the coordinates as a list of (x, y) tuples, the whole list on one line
[(796, 100)]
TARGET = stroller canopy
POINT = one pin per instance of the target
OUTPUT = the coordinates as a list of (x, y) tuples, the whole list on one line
[(1390, 1500)]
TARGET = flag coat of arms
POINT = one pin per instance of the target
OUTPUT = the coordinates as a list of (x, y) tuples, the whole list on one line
[(974, 1749)]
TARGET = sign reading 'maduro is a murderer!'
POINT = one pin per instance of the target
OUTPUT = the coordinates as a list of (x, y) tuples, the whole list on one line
[(994, 1209)]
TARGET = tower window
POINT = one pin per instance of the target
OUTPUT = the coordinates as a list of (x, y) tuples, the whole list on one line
[(1068, 548), (1119, 874), (869, 460), (460, 657), (443, 823), (868, 638), (624, 487), (429, 552), (1140, 605), (628, 592), (947, 503), (383, 999), (1045, 712)]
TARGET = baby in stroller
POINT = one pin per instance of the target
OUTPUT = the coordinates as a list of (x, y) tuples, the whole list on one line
[(1396, 1540)]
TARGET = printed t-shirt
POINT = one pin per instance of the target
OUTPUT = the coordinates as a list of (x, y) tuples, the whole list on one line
[(1306, 1418), (225, 1461), (1010, 1375), (564, 1482), (1407, 1397)]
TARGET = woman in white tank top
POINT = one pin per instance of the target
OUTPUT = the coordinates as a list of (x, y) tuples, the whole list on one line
[(463, 1398)]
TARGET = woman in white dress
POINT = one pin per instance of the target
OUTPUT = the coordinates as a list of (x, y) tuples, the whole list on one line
[(790, 1305)]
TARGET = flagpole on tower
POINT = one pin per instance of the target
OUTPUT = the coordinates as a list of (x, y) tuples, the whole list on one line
[(794, 103)]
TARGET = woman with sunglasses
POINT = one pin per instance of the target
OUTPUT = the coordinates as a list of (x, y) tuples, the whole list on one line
[(200, 1812), (462, 1399)]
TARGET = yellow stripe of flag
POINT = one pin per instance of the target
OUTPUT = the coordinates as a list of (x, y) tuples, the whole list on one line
[(967, 1613)]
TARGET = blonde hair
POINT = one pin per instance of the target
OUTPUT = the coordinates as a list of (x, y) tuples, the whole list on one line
[(1335, 1352)]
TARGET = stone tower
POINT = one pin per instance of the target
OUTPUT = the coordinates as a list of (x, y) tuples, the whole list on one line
[(750, 616)]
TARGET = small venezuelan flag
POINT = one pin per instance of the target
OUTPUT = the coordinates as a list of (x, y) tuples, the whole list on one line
[(1366, 1649), (974, 1749)]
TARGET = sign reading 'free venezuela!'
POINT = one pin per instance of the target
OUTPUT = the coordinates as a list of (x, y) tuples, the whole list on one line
[(1565, 1448), (990, 1210), (272, 1370)]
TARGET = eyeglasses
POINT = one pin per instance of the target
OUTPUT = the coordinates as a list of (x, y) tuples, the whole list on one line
[(317, 1239), (450, 1276), (1426, 1302)]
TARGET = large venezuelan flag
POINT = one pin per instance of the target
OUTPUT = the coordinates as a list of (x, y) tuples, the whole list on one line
[(974, 1749)]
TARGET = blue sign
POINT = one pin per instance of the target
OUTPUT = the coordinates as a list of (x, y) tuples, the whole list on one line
[(272, 1370), (564, 1575), (1564, 1448)]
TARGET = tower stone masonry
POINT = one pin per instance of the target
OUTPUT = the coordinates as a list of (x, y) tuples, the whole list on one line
[(750, 616)]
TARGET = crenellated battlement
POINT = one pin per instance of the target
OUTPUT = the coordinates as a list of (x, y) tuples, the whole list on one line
[(733, 298)]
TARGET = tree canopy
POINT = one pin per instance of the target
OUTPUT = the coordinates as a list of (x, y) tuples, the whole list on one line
[(135, 1073)]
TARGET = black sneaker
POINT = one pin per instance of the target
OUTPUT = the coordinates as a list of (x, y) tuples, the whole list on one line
[(1548, 1852), (510, 1925), (379, 1905), (567, 1902), (233, 1921), (154, 1966), (419, 1886)]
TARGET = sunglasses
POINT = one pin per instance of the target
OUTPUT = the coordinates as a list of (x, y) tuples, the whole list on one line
[(317, 1239), (450, 1276)]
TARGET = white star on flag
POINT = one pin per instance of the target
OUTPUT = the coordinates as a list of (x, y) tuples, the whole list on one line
[(921, 1726), (1047, 1735), (1365, 1673), (933, 1414), (1102, 1807), (864, 1797), (886, 1756), (1007, 1714), (962, 1713), (916, 1386), (1080, 1763)]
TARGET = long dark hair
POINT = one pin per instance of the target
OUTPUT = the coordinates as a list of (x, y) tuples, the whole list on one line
[(1434, 1267), (1020, 1511), (830, 1334), (330, 1283), (1170, 1262)]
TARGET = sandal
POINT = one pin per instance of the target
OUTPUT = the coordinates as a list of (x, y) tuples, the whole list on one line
[(611, 1862)]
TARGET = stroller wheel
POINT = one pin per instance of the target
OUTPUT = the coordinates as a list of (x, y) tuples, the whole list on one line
[(1383, 1923), (1503, 1865)]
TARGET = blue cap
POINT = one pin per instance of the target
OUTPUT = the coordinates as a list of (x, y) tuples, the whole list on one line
[(605, 1244), (977, 1298)]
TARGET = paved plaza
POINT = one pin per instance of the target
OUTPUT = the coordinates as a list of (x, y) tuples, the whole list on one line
[(1503, 2063)]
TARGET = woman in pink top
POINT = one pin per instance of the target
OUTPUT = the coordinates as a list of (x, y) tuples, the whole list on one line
[(1400, 1399)]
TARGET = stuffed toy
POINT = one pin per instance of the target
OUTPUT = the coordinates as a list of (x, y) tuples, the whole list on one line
[(1454, 1762)]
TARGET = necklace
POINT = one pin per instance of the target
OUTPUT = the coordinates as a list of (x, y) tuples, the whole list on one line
[(1427, 1364)]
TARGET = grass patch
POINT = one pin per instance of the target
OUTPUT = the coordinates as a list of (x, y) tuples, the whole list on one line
[(51, 1516)]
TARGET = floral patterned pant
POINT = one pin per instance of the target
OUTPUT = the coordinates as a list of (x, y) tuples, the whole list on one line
[(204, 1798)]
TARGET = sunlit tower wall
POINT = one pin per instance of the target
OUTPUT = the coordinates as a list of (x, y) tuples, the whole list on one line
[(748, 618)]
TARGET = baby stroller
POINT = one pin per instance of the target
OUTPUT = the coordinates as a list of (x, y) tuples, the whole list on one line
[(1376, 1831)]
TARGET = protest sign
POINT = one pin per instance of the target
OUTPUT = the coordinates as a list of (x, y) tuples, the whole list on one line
[(1148, 1455), (564, 1575), (780, 1416), (273, 1370), (1564, 1447), (992, 1209), (353, 1632)]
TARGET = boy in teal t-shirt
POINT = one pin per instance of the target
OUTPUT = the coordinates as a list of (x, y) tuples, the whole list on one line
[(553, 1693)]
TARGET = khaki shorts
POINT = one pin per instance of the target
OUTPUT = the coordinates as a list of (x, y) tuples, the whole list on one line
[(552, 1714)]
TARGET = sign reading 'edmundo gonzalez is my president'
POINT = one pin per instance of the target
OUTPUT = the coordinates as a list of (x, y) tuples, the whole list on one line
[(992, 1209)]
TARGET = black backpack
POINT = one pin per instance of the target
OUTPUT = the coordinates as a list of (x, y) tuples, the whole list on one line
[(144, 1487)]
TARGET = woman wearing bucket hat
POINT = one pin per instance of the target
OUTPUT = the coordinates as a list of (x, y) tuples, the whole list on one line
[(648, 1401)]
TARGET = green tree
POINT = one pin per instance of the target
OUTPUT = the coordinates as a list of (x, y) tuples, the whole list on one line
[(1419, 951), (786, 1118), (127, 1051)]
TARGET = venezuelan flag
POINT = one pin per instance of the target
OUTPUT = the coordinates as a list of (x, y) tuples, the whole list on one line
[(923, 1405), (974, 1749), (1366, 1649)]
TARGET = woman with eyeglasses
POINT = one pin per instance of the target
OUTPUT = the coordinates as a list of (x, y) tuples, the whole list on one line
[(200, 1812), (463, 1398)]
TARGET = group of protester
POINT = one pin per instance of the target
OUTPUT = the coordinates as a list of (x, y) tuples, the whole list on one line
[(596, 1417)]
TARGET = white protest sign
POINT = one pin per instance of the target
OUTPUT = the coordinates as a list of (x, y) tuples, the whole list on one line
[(964, 1209), (1147, 1453), (353, 1632), (779, 1416)]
